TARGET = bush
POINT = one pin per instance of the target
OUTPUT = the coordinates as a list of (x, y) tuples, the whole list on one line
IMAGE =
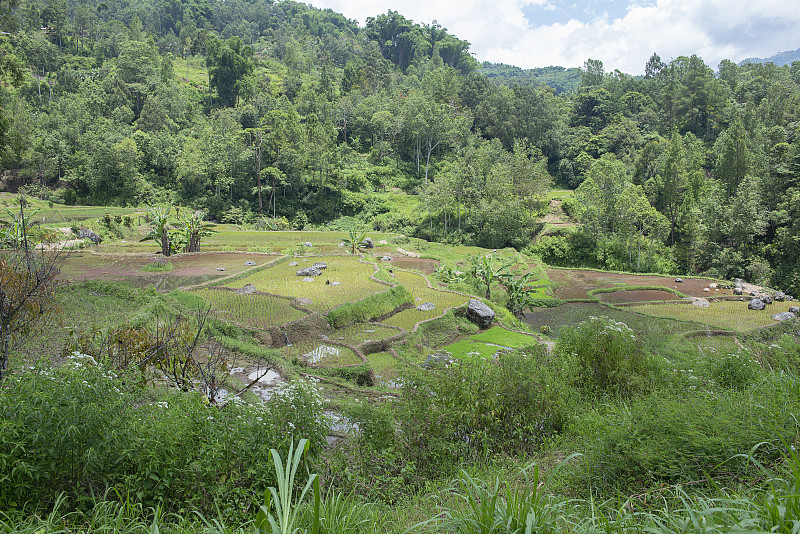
[(297, 411), (60, 431), (361, 374), (675, 439), (735, 370), (608, 358), (370, 308), (466, 410), (80, 430)]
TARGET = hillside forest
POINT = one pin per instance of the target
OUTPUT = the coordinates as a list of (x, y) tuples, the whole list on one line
[(285, 116)]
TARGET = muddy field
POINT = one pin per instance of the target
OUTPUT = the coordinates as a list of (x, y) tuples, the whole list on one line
[(187, 269), (576, 284), (416, 264)]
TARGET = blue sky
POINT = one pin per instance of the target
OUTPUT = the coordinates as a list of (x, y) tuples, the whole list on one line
[(562, 11), (621, 33)]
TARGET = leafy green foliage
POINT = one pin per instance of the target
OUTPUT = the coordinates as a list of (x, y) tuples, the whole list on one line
[(80, 429), (487, 270), (282, 498), (607, 356), (370, 308), (356, 240)]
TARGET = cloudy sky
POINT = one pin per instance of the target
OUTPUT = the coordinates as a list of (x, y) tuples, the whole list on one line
[(621, 33)]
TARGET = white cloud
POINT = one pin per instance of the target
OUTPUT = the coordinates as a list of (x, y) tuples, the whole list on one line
[(498, 31)]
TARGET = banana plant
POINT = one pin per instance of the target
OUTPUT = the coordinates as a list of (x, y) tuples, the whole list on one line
[(192, 228), (160, 229), (356, 241)]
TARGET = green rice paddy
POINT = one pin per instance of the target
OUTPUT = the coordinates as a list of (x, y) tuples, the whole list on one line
[(320, 354), (418, 286), (282, 279), (728, 315), (384, 365), (507, 338), (361, 332), (258, 311)]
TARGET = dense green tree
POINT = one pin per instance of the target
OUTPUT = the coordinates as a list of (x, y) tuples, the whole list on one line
[(228, 63)]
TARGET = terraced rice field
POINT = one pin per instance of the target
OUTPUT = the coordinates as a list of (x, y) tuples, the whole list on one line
[(467, 349), (418, 286), (361, 332), (636, 295), (385, 366), (281, 279), (507, 338), (715, 344), (728, 315), (228, 237), (321, 354), (258, 311), (487, 344)]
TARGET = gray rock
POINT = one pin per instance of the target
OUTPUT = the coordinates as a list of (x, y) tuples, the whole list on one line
[(737, 290), (248, 289), (679, 280), (250, 263), (738, 281), (479, 313), (764, 297), (438, 359), (780, 296), (700, 303), (712, 285), (303, 301), (783, 316), (427, 306), (85, 233), (756, 304), (308, 279), (292, 263), (794, 309), (307, 244), (368, 242), (336, 283), (221, 269), (706, 290), (387, 258), (309, 271), (320, 265)]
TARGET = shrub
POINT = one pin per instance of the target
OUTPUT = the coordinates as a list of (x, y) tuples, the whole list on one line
[(60, 431), (467, 409), (608, 358), (361, 374), (297, 410), (677, 439), (79, 430)]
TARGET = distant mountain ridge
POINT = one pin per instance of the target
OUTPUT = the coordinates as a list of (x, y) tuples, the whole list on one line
[(780, 59)]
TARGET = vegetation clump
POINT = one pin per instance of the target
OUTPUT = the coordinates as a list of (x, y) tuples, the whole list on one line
[(371, 308)]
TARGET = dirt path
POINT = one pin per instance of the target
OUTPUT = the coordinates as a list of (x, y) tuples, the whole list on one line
[(556, 216)]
